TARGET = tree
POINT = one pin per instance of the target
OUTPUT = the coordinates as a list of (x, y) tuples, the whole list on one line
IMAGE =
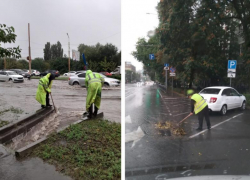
[(47, 52), (105, 65), (95, 54), (7, 35), (53, 52)]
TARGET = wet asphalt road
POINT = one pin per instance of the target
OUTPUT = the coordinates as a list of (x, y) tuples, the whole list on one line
[(153, 153), (70, 102)]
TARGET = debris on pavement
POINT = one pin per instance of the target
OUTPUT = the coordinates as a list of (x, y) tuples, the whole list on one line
[(169, 126)]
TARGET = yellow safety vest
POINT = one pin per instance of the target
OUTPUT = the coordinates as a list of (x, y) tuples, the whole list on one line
[(93, 79), (200, 103)]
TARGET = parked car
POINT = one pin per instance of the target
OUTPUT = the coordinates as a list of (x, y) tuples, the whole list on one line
[(10, 76), (35, 72), (78, 72), (117, 70), (222, 98), (21, 72), (79, 79), (106, 73), (71, 73), (55, 72)]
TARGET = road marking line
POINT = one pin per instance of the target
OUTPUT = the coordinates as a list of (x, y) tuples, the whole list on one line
[(159, 92), (180, 104), (181, 114), (215, 125)]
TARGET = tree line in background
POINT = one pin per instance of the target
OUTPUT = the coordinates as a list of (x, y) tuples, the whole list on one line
[(99, 57), (198, 37)]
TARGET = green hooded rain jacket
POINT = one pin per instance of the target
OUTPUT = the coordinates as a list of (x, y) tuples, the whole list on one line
[(93, 83), (43, 88)]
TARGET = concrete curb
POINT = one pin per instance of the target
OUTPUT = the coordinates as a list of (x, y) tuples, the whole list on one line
[(25, 150), (12, 130)]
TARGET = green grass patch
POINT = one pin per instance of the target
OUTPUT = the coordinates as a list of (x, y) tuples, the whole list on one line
[(89, 150), (63, 78), (3, 123), (248, 99)]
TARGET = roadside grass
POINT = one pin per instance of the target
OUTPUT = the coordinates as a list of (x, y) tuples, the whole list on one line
[(57, 78), (3, 123), (88, 150), (248, 99)]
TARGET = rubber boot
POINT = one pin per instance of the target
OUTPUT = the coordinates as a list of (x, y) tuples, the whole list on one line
[(95, 112), (47, 100), (90, 111)]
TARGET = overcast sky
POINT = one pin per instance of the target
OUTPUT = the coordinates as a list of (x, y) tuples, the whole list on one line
[(87, 22), (135, 24)]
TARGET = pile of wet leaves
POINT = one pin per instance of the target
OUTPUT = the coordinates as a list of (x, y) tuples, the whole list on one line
[(175, 130)]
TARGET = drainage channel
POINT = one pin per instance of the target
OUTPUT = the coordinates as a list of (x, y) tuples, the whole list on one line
[(7, 133)]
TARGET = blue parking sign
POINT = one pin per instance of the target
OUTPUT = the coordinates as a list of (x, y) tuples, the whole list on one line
[(232, 64), (166, 65), (151, 56)]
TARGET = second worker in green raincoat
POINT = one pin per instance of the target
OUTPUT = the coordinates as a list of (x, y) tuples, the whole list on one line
[(44, 89), (93, 83)]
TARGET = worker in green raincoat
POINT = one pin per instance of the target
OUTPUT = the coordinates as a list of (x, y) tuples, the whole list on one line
[(93, 83), (44, 89)]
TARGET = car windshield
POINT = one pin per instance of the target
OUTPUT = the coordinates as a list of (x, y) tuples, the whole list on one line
[(12, 73), (210, 91), (103, 75)]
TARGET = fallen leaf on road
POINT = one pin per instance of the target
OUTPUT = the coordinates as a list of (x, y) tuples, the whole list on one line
[(200, 154)]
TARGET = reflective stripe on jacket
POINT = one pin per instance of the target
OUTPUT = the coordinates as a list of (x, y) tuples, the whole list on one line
[(200, 103), (93, 77), (43, 88)]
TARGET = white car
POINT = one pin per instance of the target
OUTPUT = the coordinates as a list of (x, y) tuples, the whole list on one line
[(71, 73), (222, 98), (79, 79), (35, 72), (10, 76)]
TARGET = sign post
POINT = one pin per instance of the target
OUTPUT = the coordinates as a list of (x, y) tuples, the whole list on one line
[(172, 73), (166, 67), (231, 69)]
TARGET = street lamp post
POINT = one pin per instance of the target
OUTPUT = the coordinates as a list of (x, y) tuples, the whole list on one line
[(69, 52), (131, 76)]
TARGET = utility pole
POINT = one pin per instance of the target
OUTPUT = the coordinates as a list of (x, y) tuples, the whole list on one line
[(166, 79), (29, 49), (4, 59), (69, 52)]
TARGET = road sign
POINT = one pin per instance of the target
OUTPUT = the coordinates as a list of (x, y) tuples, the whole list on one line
[(172, 70), (166, 65), (166, 68), (151, 56), (231, 70), (232, 64), (172, 74), (231, 74)]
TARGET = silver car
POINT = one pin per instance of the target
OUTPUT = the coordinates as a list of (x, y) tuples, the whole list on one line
[(79, 79), (10, 76)]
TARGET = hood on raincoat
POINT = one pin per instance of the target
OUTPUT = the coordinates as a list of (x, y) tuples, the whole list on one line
[(88, 72)]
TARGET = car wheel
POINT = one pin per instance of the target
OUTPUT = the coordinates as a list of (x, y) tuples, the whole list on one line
[(243, 106), (223, 110), (75, 83), (106, 84)]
